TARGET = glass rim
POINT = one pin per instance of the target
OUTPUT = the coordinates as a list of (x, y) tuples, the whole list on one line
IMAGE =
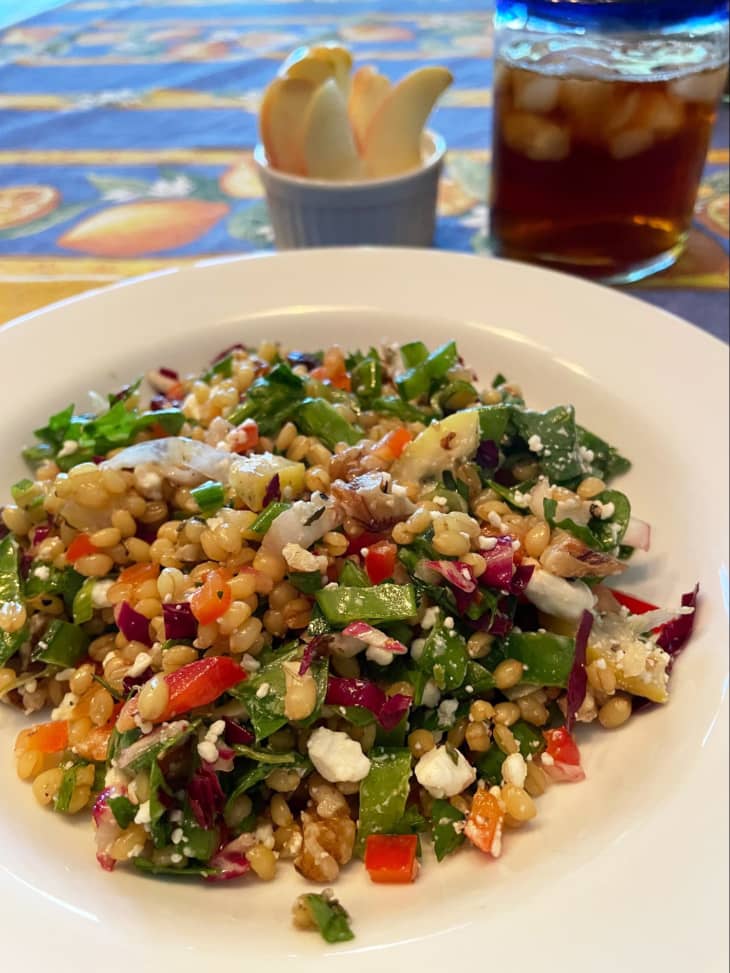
[(636, 14)]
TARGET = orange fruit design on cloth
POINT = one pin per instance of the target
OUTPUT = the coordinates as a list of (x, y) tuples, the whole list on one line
[(23, 204), (133, 229)]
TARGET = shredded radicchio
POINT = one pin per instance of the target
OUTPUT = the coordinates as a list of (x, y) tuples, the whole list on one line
[(235, 733), (676, 634), (133, 625), (500, 564), (273, 490), (388, 710), (227, 351), (488, 454), (318, 646), (41, 533), (180, 623), (169, 373), (147, 532), (206, 796), (131, 682), (521, 578), (457, 573), (578, 680), (24, 565)]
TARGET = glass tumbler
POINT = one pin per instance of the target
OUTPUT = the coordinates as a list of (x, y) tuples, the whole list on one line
[(603, 114)]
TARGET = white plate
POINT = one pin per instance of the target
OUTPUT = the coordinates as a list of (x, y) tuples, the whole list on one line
[(626, 871)]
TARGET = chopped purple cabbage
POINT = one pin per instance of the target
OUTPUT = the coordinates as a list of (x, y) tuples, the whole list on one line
[(180, 623), (578, 680), (132, 625)]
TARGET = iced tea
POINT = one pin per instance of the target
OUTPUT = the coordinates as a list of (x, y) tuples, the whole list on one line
[(597, 174)]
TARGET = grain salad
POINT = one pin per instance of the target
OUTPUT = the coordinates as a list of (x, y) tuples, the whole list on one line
[(316, 607)]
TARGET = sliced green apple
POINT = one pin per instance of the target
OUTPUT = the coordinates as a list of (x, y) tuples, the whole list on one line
[(282, 118), (392, 142), (368, 92), (329, 145), (342, 60)]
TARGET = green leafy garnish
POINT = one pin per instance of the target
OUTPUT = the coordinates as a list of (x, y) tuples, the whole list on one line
[(331, 918)]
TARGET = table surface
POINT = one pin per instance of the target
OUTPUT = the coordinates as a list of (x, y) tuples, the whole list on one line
[(136, 118)]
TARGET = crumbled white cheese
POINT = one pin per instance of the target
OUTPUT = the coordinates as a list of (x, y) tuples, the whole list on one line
[(65, 708), (208, 751), (431, 695), (249, 663), (177, 836), (534, 444), (558, 597), (43, 572), (215, 730), (149, 482), (263, 691), (143, 815), (100, 594), (449, 623), (176, 858), (494, 519), (380, 657), (417, 647), (69, 448), (514, 770), (265, 834), (30, 686), (299, 559), (430, 618), (141, 663), (586, 457), (337, 757), (447, 712), (444, 772), (487, 543)]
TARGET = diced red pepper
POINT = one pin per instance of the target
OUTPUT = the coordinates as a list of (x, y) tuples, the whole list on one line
[(635, 605), (212, 599), (196, 684), (244, 437), (563, 751), (46, 737), (390, 859), (484, 824), (380, 561), (365, 539), (391, 446), (79, 547), (137, 573), (199, 683)]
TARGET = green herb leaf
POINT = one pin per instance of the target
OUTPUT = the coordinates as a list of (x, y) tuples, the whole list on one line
[(446, 837), (332, 920)]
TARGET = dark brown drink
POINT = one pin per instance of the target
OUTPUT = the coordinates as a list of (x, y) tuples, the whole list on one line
[(595, 175)]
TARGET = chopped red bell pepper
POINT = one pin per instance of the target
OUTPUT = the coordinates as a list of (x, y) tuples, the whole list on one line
[(364, 540), (635, 605), (199, 683), (46, 737), (212, 599), (390, 859), (79, 547), (563, 763), (380, 561), (196, 684), (484, 824)]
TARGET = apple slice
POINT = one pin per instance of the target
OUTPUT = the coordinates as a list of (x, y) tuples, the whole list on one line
[(329, 145), (281, 119), (342, 60), (368, 92), (314, 69), (393, 140)]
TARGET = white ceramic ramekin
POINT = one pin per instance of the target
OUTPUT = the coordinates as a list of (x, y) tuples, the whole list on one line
[(399, 211)]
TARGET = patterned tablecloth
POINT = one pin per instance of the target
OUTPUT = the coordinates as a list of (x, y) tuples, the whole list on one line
[(134, 121)]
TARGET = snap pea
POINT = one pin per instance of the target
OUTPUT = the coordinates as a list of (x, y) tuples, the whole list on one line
[(381, 603), (315, 417), (445, 657), (10, 591), (384, 792), (446, 837), (547, 658), (62, 645), (353, 576), (83, 603), (417, 381)]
